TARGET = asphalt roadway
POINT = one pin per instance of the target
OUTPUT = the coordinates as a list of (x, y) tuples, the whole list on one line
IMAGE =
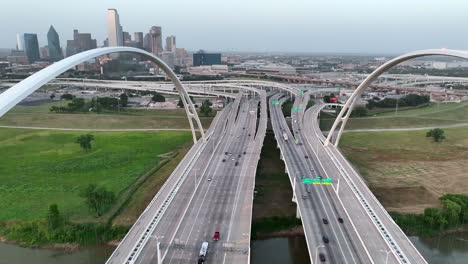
[(213, 195), (379, 234)]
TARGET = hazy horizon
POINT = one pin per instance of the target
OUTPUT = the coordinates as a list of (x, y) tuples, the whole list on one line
[(296, 26)]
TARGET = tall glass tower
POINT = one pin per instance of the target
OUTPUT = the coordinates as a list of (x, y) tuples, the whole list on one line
[(31, 47), (114, 29), (53, 40)]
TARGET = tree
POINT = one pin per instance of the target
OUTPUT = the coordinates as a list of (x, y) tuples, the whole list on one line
[(359, 111), (85, 141), (67, 96), (123, 100), (98, 199), (54, 220), (108, 102), (437, 134), (206, 107), (180, 103), (77, 104), (52, 96), (157, 97), (371, 104)]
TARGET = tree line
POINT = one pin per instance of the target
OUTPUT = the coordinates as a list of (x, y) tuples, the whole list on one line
[(408, 100), (94, 105), (453, 213)]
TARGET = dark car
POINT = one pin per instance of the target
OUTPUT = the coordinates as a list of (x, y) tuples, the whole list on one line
[(244, 152), (225, 153), (216, 236), (325, 221), (306, 156), (239, 155), (224, 160), (325, 239), (322, 257), (249, 135), (237, 163), (340, 219)]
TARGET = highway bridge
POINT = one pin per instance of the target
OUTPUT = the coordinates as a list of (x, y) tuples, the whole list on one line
[(212, 187)]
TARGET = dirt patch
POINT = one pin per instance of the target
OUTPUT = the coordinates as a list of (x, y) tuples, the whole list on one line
[(113, 243), (406, 199)]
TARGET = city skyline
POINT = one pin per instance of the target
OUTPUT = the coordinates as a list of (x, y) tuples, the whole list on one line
[(269, 26)]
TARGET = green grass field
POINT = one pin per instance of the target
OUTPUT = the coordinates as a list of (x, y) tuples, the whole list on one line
[(40, 116), (428, 116), (407, 170), (39, 168)]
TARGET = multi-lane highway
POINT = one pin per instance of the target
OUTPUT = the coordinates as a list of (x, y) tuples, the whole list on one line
[(379, 232), (211, 191), (316, 203)]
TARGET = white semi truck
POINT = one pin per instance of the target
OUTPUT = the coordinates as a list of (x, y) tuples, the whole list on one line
[(203, 251)]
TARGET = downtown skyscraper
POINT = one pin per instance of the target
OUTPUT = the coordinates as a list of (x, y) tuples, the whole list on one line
[(114, 29), (53, 42), (31, 47)]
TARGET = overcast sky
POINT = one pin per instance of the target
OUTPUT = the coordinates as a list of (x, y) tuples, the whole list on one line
[(355, 26)]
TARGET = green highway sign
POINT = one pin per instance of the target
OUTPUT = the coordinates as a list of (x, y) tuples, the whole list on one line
[(297, 109), (317, 180), (327, 181), (275, 102), (301, 92), (307, 181)]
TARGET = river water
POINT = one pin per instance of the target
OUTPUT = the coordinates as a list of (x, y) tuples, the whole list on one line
[(12, 254), (449, 249)]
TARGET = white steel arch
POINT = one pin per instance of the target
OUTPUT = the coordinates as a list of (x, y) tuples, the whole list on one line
[(348, 106), (21, 90)]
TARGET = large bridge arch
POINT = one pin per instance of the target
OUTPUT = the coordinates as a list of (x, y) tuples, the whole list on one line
[(21, 90), (345, 112)]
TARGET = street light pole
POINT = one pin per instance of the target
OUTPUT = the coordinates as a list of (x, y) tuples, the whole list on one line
[(316, 252)]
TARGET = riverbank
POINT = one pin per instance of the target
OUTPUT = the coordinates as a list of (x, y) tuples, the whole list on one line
[(291, 232)]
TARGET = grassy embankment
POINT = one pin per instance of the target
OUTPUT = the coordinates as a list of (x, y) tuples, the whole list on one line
[(409, 172), (39, 168), (431, 115), (273, 209), (40, 116)]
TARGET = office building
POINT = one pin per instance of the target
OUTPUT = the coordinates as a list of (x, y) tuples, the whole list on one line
[(171, 44), (202, 58), (53, 41), (19, 41), (126, 37), (156, 40), (138, 38), (181, 55), (114, 29), (147, 42), (31, 47), (18, 57), (168, 58), (44, 52), (81, 42)]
